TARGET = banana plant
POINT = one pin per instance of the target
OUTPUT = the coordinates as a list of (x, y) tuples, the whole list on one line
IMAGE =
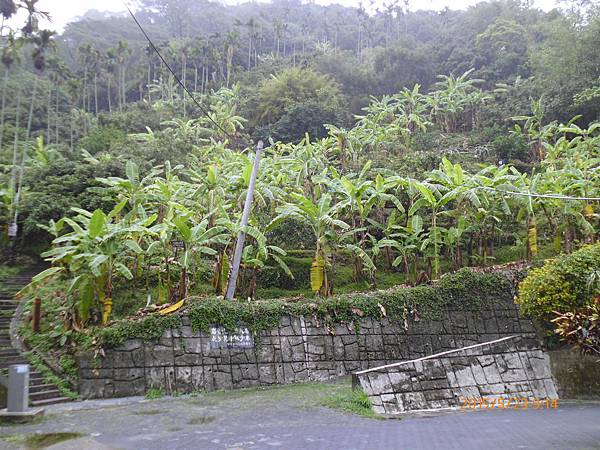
[(322, 219), (91, 253), (254, 258), (199, 240), (405, 242), (432, 197)]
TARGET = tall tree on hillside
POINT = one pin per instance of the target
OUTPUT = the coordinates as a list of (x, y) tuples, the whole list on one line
[(251, 33), (110, 65), (122, 52), (42, 43), (84, 52), (57, 75), (11, 53)]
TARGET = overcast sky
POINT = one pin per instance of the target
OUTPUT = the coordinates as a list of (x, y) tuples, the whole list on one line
[(64, 11)]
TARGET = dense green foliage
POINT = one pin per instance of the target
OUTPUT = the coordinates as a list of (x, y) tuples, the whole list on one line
[(400, 145), (296, 67), (561, 285), (353, 212)]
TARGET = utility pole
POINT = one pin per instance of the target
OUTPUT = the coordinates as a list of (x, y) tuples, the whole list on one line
[(239, 245)]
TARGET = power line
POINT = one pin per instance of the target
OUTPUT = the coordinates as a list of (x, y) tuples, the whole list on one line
[(551, 196), (202, 109)]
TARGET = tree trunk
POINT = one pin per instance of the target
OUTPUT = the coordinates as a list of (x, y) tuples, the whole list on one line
[(123, 86), (24, 151), (96, 92), (183, 81), (48, 110), (3, 105), (249, 53), (30, 118), (149, 81), (119, 89), (202, 82), (71, 131), (13, 180), (108, 96), (57, 112), (406, 269), (84, 89)]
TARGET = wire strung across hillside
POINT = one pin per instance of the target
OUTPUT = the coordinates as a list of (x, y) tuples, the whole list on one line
[(551, 196), (202, 109)]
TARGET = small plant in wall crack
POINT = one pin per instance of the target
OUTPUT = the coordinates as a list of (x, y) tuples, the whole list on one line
[(154, 393)]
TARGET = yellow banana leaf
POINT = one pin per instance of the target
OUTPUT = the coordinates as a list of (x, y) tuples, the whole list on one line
[(317, 273), (533, 247), (174, 307), (106, 309)]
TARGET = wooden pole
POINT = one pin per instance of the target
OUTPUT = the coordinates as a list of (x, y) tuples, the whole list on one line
[(239, 245), (37, 314)]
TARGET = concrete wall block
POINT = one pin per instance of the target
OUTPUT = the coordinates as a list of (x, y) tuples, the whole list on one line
[(155, 378), (158, 355), (96, 388)]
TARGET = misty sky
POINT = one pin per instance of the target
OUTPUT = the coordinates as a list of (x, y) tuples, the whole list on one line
[(64, 11)]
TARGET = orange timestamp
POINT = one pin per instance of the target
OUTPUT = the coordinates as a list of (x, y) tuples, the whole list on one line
[(506, 403)]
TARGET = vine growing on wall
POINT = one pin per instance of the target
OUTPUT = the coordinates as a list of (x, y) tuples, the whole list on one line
[(464, 289)]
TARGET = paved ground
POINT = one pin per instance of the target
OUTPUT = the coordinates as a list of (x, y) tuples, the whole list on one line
[(291, 417)]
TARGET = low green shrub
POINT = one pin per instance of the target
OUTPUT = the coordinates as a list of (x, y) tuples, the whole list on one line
[(560, 285)]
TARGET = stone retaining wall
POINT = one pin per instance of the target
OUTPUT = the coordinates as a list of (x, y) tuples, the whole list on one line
[(508, 369), (300, 349), (576, 375)]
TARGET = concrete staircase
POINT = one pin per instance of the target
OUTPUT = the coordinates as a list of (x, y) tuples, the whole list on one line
[(40, 392)]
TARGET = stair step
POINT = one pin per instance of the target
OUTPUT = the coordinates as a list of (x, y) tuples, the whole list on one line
[(7, 360), (49, 401), (7, 364), (34, 388), (42, 395)]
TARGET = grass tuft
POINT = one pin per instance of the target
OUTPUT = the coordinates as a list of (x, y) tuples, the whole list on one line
[(351, 401)]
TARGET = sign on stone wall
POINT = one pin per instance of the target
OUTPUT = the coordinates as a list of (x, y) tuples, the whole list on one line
[(221, 338)]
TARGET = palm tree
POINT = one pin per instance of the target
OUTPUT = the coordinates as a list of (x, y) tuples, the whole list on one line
[(110, 64), (33, 16), (85, 53), (122, 52), (42, 43), (95, 57)]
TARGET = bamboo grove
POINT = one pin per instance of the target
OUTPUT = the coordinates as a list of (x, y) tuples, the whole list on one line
[(171, 225)]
